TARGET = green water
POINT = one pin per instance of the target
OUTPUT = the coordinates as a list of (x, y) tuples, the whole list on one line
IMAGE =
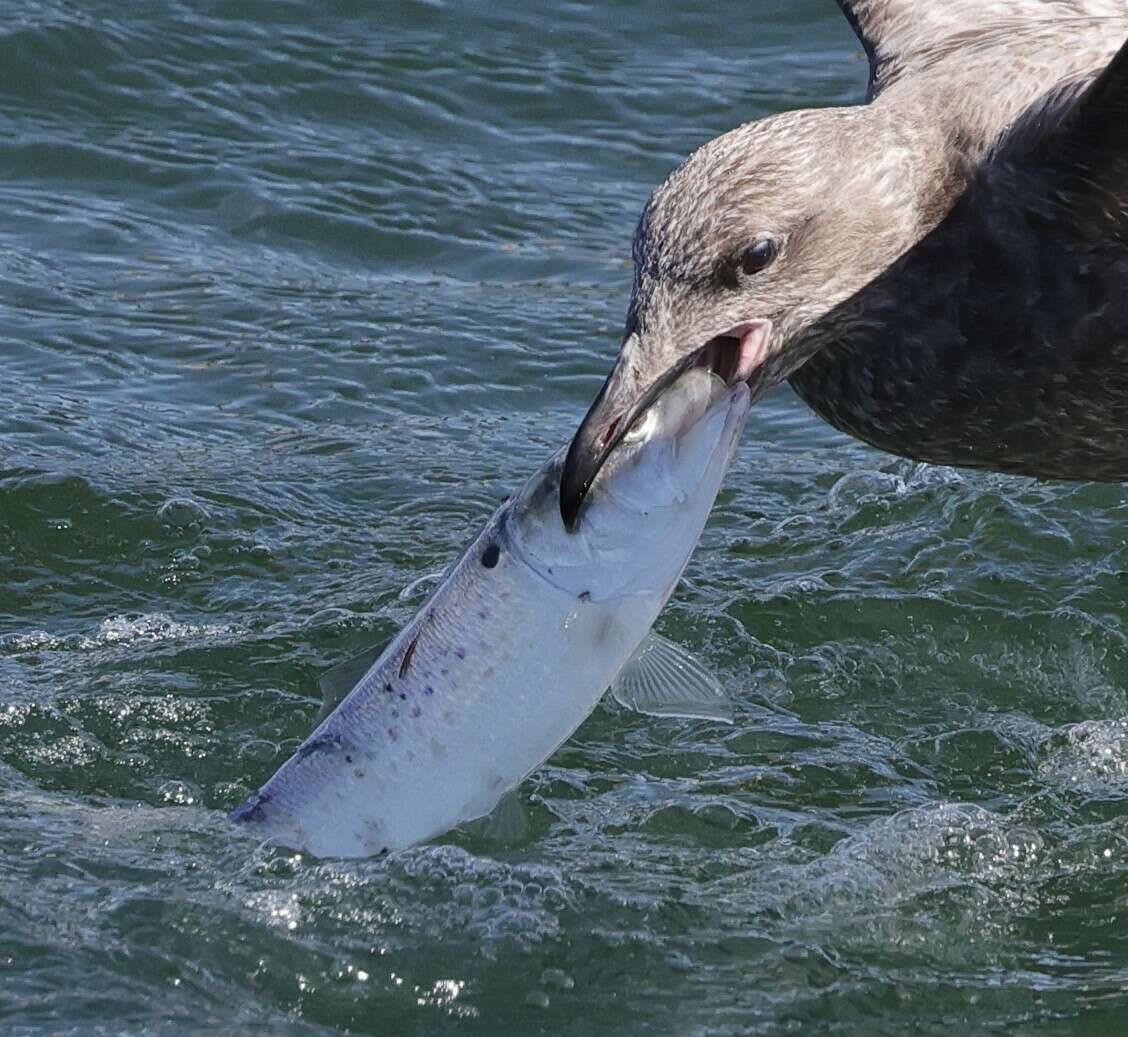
[(292, 295)]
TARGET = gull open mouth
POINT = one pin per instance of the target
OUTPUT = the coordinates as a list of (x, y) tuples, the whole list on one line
[(734, 357)]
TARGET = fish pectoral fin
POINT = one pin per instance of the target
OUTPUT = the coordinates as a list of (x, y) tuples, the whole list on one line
[(662, 679), (337, 681)]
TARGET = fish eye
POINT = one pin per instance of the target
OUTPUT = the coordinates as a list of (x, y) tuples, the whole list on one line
[(642, 429), (754, 258)]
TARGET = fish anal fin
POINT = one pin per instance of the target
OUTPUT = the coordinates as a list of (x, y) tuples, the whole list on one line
[(663, 679), (507, 823)]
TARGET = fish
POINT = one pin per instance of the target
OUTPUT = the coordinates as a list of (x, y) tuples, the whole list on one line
[(516, 644)]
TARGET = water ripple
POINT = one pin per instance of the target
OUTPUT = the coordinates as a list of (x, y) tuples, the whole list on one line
[(294, 296)]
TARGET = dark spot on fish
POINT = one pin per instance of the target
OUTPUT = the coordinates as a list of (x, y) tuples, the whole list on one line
[(490, 555), (251, 810), (403, 696), (348, 758), (407, 656), (460, 653), (322, 744), (358, 773), (392, 733), (428, 690), (585, 595), (388, 688)]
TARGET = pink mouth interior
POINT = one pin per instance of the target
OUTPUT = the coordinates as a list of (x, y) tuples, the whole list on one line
[(736, 357)]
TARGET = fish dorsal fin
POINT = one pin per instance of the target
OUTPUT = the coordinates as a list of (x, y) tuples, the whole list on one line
[(900, 34), (337, 681), (662, 679)]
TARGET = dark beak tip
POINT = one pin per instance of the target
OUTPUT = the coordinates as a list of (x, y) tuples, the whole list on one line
[(572, 494), (569, 513), (580, 465), (604, 425)]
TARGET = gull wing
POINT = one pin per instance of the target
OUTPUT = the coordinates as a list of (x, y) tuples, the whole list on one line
[(1069, 154), (902, 36)]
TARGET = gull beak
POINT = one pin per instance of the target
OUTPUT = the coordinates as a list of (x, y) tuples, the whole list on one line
[(639, 377)]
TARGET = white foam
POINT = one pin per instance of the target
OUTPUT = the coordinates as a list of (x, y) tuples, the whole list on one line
[(147, 628), (1092, 757), (883, 885), (150, 627)]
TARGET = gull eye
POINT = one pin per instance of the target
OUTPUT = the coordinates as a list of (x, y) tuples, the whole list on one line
[(754, 258)]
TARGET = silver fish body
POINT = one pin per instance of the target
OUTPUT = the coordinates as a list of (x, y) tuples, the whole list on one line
[(514, 648)]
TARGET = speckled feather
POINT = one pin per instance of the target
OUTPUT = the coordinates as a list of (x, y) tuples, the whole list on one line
[(953, 255), (999, 339)]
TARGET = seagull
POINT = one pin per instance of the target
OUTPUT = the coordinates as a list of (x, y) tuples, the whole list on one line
[(941, 272)]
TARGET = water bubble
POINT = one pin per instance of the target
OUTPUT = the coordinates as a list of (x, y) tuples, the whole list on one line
[(557, 979), (331, 616), (421, 583), (182, 793), (855, 489), (182, 513)]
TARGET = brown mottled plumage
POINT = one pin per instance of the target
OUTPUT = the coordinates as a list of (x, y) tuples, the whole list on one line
[(948, 268)]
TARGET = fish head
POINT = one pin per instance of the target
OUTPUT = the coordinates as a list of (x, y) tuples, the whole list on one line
[(646, 508)]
